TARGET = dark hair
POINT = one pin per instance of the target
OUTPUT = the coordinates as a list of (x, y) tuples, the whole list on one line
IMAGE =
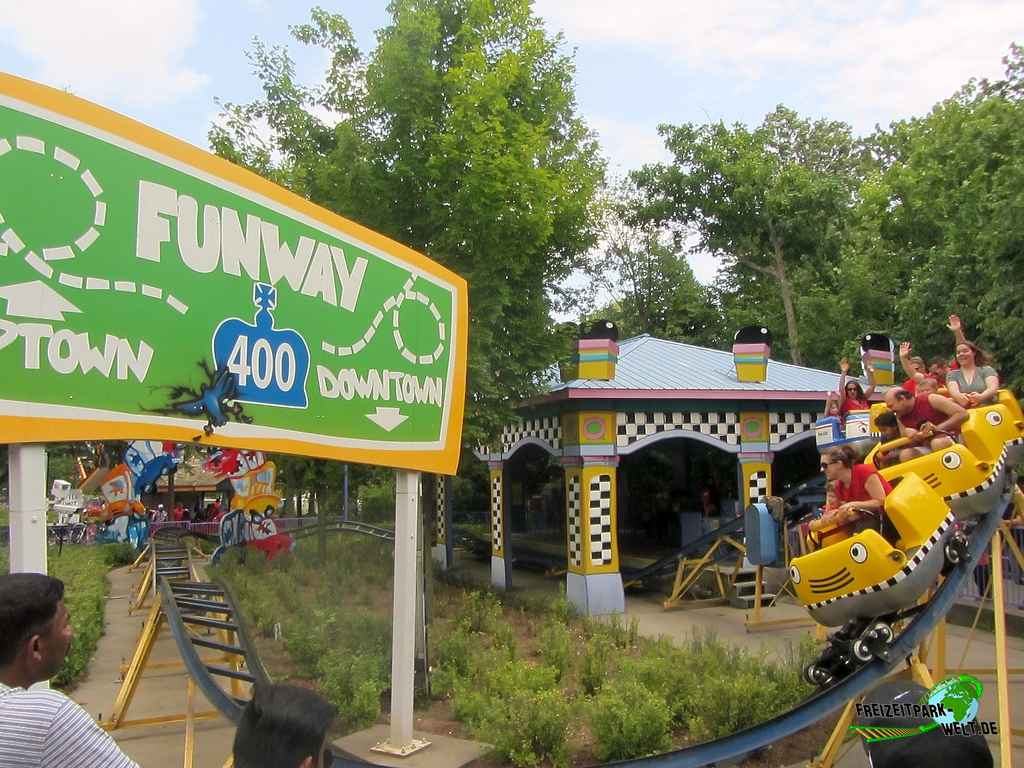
[(281, 726), (854, 383), (885, 419), (939, 360), (844, 454), (28, 602)]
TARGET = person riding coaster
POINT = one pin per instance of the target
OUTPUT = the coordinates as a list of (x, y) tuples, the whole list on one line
[(866, 582), (971, 474), (873, 578)]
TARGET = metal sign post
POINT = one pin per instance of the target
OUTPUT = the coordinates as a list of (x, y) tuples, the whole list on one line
[(403, 632), (27, 477)]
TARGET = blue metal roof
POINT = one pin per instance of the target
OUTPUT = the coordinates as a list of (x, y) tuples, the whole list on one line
[(646, 363)]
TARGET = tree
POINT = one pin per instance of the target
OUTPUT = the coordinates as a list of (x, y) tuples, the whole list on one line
[(458, 136), (651, 285), (766, 201), (948, 214)]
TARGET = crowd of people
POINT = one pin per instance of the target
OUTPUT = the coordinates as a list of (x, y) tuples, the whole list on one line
[(927, 410)]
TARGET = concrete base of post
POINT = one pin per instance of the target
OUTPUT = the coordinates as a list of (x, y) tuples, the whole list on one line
[(596, 594), (440, 554), (499, 573)]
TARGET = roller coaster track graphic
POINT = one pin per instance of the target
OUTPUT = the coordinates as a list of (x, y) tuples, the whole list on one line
[(393, 305), (812, 710)]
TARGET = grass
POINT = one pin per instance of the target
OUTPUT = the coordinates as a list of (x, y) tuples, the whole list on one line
[(83, 569)]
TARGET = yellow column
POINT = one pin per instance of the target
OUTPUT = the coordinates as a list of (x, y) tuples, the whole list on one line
[(500, 563), (593, 583), (755, 460)]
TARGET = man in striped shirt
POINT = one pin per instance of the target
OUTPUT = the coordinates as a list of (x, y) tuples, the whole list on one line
[(42, 729)]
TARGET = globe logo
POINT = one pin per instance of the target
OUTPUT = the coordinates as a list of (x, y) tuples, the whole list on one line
[(959, 697)]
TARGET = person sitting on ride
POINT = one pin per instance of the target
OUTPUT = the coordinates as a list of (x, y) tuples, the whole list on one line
[(928, 385), (938, 368), (889, 430), (832, 405), (921, 417), (913, 366), (852, 396), (860, 492), (974, 382)]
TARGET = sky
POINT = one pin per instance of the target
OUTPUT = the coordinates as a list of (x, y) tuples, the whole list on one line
[(639, 63)]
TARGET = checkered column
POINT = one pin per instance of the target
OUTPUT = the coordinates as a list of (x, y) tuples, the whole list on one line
[(755, 477), (497, 511), (441, 508), (600, 550), (574, 518)]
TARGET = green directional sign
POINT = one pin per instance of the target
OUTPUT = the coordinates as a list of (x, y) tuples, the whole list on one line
[(151, 290)]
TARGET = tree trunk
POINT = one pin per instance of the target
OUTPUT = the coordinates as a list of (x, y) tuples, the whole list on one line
[(786, 290), (170, 489)]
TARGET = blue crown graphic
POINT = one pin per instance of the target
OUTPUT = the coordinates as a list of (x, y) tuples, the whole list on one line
[(271, 364)]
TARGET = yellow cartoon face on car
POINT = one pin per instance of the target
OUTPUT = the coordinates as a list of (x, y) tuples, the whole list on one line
[(989, 430), (848, 566), (948, 472)]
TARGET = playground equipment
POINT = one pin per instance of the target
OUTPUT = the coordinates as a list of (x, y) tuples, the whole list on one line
[(871, 580)]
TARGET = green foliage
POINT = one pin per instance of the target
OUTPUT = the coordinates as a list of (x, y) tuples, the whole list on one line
[(629, 721), (766, 201), (481, 612), (116, 555), (556, 646), (377, 502), (84, 573), (459, 136), (599, 659), (515, 706), (353, 682)]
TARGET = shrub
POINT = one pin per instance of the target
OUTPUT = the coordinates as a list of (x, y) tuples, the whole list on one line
[(353, 683), (556, 646), (628, 720), (116, 555), (481, 612), (83, 571), (530, 727), (599, 660)]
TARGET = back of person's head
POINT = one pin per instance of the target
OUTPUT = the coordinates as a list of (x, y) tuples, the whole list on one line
[(886, 419), (28, 602), (282, 726)]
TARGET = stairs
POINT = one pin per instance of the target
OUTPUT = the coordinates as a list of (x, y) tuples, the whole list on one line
[(743, 589)]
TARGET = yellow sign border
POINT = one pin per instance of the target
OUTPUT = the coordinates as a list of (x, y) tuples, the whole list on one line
[(19, 429)]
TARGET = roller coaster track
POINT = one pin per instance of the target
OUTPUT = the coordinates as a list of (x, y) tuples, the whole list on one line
[(346, 526), (812, 710)]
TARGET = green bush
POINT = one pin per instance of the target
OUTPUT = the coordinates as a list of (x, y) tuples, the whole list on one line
[(556, 646), (377, 503), (481, 612), (84, 573), (116, 555), (627, 720), (599, 660), (353, 683), (529, 728)]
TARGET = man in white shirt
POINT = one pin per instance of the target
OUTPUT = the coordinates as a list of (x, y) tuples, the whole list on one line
[(42, 728)]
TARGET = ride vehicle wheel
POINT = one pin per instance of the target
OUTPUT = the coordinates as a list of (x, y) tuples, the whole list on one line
[(883, 632), (862, 650), (818, 675), (956, 549)]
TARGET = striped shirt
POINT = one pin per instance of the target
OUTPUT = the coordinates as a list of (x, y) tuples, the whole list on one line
[(46, 729)]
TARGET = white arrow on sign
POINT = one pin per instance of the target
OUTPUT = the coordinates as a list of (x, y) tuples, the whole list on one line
[(36, 300), (386, 418)]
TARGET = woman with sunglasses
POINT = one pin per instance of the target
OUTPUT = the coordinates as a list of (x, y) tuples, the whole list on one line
[(860, 492), (852, 396)]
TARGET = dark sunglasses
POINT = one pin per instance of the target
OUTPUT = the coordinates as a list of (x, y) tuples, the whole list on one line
[(826, 464)]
